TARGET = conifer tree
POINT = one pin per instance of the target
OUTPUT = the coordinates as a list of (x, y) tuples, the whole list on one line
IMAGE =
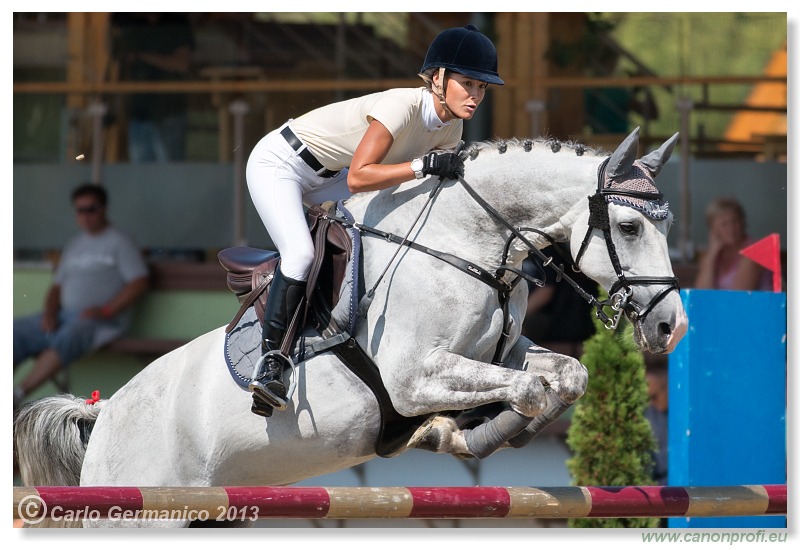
[(609, 435)]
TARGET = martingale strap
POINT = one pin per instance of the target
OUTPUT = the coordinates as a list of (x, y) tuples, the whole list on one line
[(494, 281), (461, 264)]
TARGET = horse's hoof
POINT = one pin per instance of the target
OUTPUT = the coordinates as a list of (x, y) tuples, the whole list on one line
[(419, 436), (436, 435)]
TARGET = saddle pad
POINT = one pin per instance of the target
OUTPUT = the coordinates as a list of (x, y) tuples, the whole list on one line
[(243, 348), (243, 342)]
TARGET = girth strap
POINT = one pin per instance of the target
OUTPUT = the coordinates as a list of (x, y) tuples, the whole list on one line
[(396, 429)]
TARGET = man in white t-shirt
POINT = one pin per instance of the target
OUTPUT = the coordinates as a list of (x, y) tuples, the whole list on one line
[(101, 273)]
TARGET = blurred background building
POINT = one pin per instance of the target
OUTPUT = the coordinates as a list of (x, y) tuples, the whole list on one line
[(718, 78)]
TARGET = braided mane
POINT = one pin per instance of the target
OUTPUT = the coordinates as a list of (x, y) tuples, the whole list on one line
[(472, 150)]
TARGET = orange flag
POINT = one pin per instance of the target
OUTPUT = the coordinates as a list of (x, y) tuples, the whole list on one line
[(767, 253)]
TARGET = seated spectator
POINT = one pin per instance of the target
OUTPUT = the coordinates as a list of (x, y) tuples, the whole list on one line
[(722, 266), (99, 277)]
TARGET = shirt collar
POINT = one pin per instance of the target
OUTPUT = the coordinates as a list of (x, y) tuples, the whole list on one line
[(430, 119)]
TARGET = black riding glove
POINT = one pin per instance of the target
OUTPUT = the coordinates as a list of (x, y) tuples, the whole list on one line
[(447, 165)]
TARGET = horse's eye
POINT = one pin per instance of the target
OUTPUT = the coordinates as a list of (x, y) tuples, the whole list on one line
[(628, 228)]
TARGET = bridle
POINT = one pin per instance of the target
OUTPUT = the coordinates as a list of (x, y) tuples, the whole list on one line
[(620, 292), (619, 295)]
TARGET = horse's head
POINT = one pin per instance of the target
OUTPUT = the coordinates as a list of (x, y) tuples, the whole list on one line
[(621, 242)]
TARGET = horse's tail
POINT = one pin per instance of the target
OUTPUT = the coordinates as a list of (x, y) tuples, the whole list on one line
[(50, 437)]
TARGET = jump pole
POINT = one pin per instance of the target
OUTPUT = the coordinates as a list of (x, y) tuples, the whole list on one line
[(398, 502)]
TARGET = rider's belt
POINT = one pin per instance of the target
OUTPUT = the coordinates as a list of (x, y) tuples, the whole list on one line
[(306, 154)]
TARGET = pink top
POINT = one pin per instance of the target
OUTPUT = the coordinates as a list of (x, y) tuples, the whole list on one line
[(724, 279)]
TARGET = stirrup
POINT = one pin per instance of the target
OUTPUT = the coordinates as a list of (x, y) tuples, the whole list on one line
[(260, 389), (260, 407)]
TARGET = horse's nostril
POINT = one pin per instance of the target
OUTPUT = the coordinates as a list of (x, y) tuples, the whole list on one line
[(665, 329)]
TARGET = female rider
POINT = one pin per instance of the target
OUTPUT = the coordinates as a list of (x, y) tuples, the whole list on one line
[(367, 143)]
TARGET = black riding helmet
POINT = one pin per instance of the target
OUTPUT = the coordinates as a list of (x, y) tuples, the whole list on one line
[(466, 51)]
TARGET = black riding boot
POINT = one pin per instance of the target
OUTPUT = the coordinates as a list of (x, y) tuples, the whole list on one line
[(268, 389)]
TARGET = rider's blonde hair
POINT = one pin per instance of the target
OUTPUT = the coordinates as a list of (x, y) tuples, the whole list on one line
[(427, 78)]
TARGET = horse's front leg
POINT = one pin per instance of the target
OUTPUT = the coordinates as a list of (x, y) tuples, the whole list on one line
[(564, 380), (452, 382), (446, 381)]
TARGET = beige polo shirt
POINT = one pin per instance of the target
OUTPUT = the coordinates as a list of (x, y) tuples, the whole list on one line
[(334, 131)]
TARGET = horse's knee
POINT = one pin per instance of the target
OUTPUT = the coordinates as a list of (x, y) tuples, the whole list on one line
[(531, 397), (406, 398), (572, 380), (410, 410)]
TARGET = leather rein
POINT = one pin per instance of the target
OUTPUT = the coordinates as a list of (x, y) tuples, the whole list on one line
[(619, 295)]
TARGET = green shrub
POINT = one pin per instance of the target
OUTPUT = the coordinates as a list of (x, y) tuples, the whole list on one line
[(609, 435)]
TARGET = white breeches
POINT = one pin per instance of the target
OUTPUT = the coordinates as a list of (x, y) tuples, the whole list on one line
[(280, 183)]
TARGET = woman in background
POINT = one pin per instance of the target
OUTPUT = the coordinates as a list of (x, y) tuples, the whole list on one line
[(722, 266)]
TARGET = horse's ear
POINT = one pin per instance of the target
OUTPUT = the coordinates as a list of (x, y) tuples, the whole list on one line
[(657, 159), (621, 160)]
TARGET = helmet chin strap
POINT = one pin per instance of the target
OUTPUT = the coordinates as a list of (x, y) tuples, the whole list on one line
[(439, 91)]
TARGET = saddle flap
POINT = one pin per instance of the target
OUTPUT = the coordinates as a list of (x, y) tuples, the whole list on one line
[(250, 270), (333, 249), (242, 263)]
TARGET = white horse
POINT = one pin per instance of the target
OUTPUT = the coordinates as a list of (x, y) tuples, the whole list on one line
[(431, 328)]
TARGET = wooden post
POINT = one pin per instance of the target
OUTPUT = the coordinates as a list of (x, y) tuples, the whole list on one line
[(87, 62), (502, 99), (521, 59), (539, 71)]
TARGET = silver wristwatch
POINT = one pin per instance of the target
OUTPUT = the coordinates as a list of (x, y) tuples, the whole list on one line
[(417, 165)]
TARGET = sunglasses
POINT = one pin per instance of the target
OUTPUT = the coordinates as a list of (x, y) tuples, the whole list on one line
[(93, 209)]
